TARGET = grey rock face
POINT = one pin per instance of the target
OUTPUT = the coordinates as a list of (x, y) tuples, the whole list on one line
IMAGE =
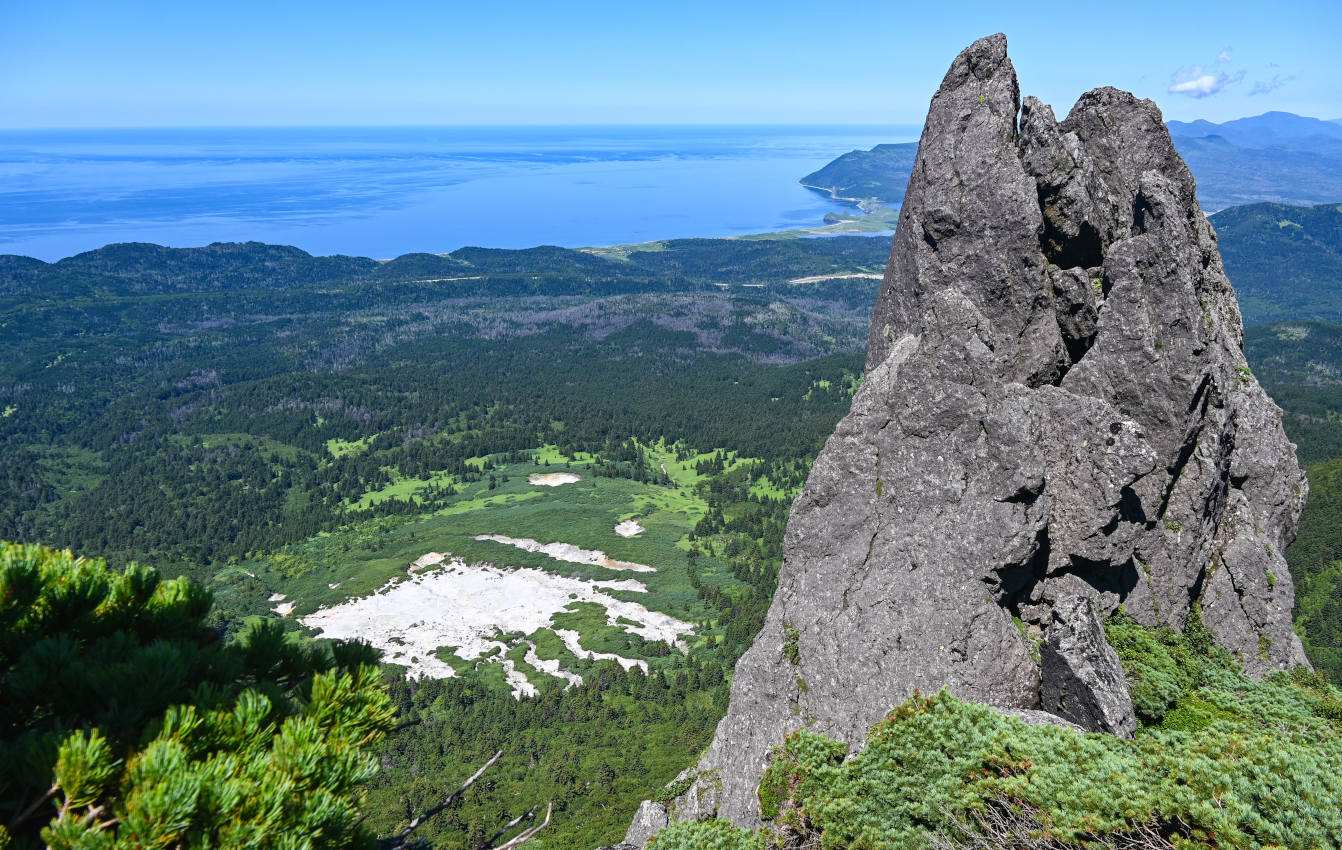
[(648, 821), (1056, 408), (1034, 717), (1081, 674), (698, 802)]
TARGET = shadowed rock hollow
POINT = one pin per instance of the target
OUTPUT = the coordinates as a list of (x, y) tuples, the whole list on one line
[(1056, 410)]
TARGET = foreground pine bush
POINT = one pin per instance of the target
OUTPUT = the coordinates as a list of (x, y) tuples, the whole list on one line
[(1222, 761), (124, 722)]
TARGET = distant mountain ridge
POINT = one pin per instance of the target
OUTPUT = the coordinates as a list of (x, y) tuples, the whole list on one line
[(1264, 130), (139, 268), (1277, 157)]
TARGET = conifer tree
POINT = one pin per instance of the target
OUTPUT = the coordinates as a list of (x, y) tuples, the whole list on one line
[(125, 722)]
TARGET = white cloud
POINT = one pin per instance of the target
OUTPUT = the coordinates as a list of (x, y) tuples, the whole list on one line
[(1197, 82), (1224, 55)]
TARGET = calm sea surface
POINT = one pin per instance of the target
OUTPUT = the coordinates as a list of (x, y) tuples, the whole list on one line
[(389, 191)]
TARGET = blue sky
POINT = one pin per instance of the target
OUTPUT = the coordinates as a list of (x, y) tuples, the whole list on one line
[(185, 63)]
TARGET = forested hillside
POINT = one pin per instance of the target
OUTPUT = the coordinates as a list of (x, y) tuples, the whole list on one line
[(1285, 261), (1300, 363), (881, 173)]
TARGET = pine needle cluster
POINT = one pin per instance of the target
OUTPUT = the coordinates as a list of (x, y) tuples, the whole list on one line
[(125, 722)]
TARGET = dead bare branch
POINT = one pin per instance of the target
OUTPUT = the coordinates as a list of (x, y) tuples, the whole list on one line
[(503, 830), (530, 833), (418, 820), (403, 842), (1015, 824), (36, 804)]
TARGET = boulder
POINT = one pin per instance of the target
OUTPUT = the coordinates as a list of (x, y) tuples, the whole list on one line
[(1081, 675)]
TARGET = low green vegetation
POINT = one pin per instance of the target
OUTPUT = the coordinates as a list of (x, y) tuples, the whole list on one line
[(1221, 760)]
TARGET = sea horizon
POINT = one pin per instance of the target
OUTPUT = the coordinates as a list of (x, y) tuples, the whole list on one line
[(382, 191)]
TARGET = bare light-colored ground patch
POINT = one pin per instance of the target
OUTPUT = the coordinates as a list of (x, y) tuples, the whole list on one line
[(517, 680), (551, 666), (629, 528), (428, 559), (569, 552), (570, 639), (553, 479), (820, 277), (468, 606), (284, 609)]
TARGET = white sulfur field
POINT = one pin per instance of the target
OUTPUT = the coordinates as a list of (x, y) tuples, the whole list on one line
[(466, 606)]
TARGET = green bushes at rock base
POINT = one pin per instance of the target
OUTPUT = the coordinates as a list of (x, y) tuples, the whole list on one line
[(1222, 761), (708, 835)]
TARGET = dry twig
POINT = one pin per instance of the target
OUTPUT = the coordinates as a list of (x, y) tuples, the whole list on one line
[(402, 841), (1006, 824)]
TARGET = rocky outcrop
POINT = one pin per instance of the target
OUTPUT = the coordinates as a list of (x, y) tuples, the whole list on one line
[(648, 821), (1082, 677), (1056, 420)]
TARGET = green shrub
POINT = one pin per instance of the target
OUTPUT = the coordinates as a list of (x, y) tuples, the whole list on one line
[(674, 790), (1221, 761), (707, 835), (791, 649), (1158, 667), (800, 756)]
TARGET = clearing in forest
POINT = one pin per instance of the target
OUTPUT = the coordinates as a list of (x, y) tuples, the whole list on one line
[(472, 609)]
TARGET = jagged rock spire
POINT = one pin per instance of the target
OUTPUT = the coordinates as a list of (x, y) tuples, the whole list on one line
[(1056, 407)]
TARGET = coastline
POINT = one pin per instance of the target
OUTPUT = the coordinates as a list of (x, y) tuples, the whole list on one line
[(874, 222), (833, 193), (874, 218)]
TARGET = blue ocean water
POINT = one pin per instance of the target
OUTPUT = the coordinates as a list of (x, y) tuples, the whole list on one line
[(381, 192)]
